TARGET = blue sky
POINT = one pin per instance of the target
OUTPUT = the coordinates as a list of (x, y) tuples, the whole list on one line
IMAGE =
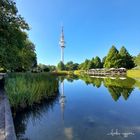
[(91, 27)]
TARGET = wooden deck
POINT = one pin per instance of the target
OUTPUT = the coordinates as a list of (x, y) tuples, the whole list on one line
[(107, 72)]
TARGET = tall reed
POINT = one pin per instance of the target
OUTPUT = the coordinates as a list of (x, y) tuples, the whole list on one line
[(25, 89)]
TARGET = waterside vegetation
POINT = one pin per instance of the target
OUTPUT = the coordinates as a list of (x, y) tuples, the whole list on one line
[(116, 86), (114, 59), (25, 89)]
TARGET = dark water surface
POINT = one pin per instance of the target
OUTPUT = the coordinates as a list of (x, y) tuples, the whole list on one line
[(86, 109)]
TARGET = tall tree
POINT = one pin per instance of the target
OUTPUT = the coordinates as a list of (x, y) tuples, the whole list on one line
[(126, 58), (12, 35), (75, 66), (61, 66), (97, 62), (27, 57), (69, 65), (81, 66), (113, 59), (103, 61), (90, 65), (137, 60), (86, 64)]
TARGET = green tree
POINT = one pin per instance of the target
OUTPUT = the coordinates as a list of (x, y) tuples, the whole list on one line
[(137, 60), (13, 38), (90, 65), (103, 61), (61, 66), (97, 62), (43, 68), (75, 66), (86, 64), (126, 58), (27, 57), (81, 66), (52, 67), (113, 59), (69, 66)]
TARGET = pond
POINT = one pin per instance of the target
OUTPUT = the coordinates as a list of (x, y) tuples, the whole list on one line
[(86, 108)]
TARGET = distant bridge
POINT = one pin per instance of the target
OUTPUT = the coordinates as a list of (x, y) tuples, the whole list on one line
[(105, 72)]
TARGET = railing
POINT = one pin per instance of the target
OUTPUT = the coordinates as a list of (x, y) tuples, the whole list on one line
[(104, 72)]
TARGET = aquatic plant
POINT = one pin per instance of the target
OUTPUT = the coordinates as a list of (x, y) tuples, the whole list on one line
[(25, 89)]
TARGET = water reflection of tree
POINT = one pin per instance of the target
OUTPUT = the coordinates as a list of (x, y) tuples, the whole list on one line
[(96, 82), (137, 84), (35, 112), (69, 78), (116, 92), (116, 86)]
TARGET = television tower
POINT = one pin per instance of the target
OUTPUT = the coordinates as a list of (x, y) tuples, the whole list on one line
[(62, 44)]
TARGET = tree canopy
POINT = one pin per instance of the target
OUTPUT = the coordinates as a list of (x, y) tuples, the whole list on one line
[(97, 62), (61, 66), (112, 59), (126, 58), (137, 60), (16, 51), (71, 66)]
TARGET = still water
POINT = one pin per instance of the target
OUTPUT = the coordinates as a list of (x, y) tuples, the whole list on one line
[(86, 108)]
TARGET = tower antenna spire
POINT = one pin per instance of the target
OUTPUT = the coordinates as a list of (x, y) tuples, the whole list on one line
[(62, 43)]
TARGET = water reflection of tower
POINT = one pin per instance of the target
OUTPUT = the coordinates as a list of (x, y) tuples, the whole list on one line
[(62, 100)]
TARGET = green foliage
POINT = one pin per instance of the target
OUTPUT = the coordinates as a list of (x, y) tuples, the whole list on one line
[(61, 66), (26, 89), (113, 59), (15, 48), (52, 68), (43, 68), (116, 87), (126, 59), (97, 62), (71, 66), (137, 60), (86, 64), (81, 66), (103, 61), (91, 65), (27, 57)]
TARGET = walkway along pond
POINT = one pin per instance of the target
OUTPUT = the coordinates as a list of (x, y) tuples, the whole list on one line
[(7, 131), (91, 107), (107, 72)]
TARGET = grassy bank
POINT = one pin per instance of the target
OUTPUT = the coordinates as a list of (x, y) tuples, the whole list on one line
[(75, 72), (63, 73), (133, 73), (26, 89)]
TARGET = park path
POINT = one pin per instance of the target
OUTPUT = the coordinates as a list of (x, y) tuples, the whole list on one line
[(2, 116), (7, 131)]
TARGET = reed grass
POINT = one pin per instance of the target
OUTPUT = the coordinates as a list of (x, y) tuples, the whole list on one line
[(25, 89)]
